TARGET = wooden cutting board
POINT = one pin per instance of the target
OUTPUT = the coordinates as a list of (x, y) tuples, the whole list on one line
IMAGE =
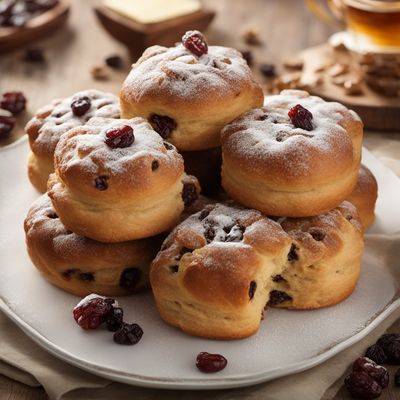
[(378, 112)]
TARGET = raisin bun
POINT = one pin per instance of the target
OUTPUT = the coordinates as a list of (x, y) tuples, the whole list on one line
[(189, 92), (117, 180), (217, 270), (53, 120), (80, 265), (297, 156), (364, 196)]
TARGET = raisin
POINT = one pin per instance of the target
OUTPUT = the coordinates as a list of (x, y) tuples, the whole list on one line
[(168, 146), (67, 274), (377, 354), (92, 313), (114, 61), (278, 297), (207, 362), (195, 42), (80, 106), (154, 165), (385, 339), (235, 233), (163, 125), (362, 386), (86, 276), (189, 194), (174, 269), (120, 137), (292, 255), (130, 277), (268, 70), (392, 351), (128, 334), (375, 371), (301, 117), (34, 55), (252, 289), (317, 234), (115, 319), (101, 183), (14, 102), (209, 234), (248, 56), (278, 278)]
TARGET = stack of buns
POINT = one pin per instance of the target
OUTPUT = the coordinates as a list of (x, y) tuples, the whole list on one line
[(285, 230)]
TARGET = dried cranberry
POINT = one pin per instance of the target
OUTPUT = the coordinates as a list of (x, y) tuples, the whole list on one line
[(377, 354), (14, 102), (292, 255), (195, 42), (128, 334), (375, 371), (34, 55), (92, 313), (277, 297), (252, 289), (301, 117), (81, 105), (268, 70), (248, 56), (207, 362), (101, 183), (392, 351), (130, 277), (362, 386), (397, 378), (115, 319), (114, 61), (120, 137), (6, 125), (162, 124), (189, 194)]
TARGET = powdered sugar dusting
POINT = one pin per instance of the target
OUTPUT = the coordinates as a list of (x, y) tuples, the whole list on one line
[(178, 72)]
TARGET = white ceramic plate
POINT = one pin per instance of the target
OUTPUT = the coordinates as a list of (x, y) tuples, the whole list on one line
[(287, 342)]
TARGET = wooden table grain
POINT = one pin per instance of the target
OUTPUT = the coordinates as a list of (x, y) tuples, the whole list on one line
[(285, 27)]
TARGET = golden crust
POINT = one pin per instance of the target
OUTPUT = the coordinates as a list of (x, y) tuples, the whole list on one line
[(270, 165), (217, 270), (200, 94), (52, 121), (364, 196), (139, 200), (80, 265)]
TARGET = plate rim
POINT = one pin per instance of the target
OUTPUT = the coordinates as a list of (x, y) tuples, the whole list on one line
[(201, 383)]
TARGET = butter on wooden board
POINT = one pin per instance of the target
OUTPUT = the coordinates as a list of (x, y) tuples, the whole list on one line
[(153, 11)]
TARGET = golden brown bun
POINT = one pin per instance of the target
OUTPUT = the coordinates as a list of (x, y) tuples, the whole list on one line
[(217, 269), (201, 94), (80, 265), (364, 196), (324, 261), (140, 191), (271, 166), (205, 165), (52, 121)]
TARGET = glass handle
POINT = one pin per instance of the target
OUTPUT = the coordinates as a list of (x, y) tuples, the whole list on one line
[(335, 18)]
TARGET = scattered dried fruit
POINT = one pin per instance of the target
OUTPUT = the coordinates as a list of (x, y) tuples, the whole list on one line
[(397, 378), (294, 63), (207, 362), (100, 73), (114, 61), (377, 372), (195, 42), (115, 319), (7, 122), (268, 70), (248, 56), (377, 354), (34, 55), (128, 334), (92, 311), (362, 386), (251, 36), (15, 102), (352, 88)]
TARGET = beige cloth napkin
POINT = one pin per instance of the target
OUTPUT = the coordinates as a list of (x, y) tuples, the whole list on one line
[(21, 359)]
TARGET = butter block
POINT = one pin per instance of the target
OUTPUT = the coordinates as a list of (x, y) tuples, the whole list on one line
[(152, 11)]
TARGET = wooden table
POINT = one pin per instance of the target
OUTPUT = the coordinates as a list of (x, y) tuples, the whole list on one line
[(285, 27)]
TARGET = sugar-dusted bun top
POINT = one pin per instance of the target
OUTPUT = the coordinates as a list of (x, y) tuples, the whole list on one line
[(85, 163), (266, 143), (178, 75), (54, 119)]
